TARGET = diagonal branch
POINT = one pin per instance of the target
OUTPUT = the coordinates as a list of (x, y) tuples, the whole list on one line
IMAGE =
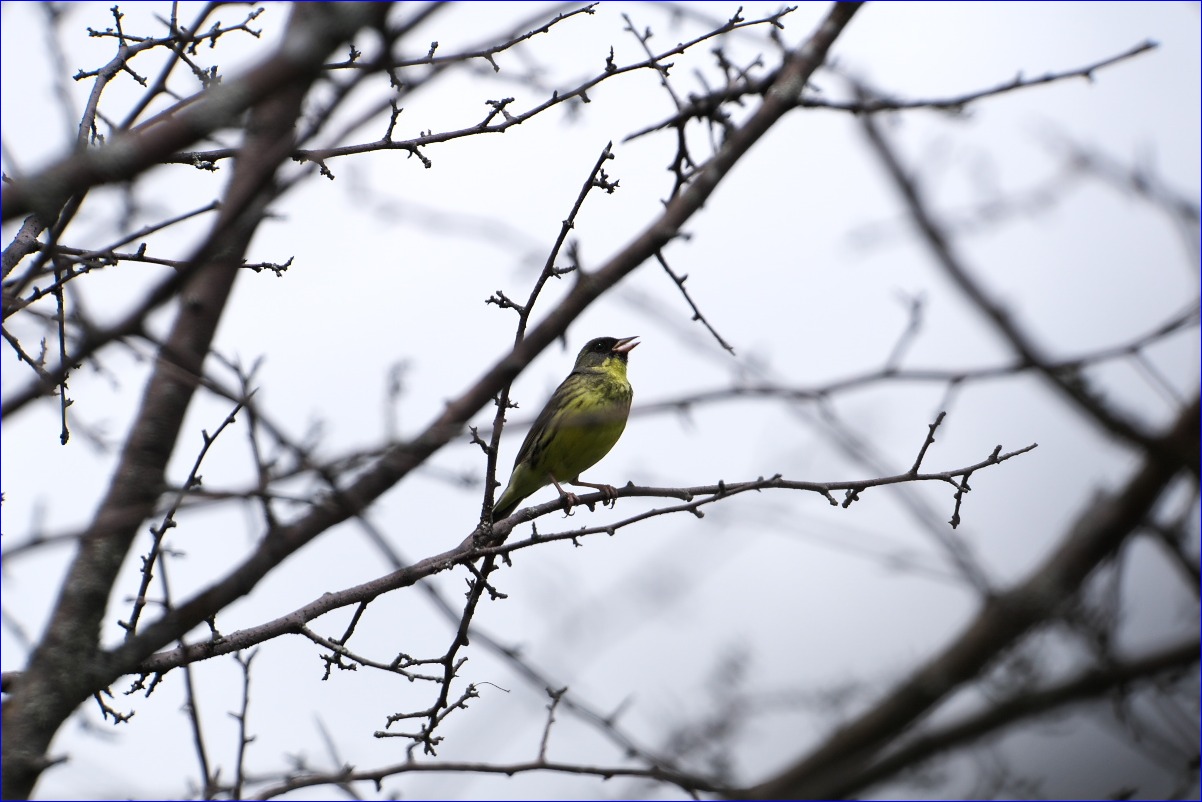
[(55, 683), (1071, 386), (832, 769), (1089, 684), (403, 458), (693, 500), (131, 153)]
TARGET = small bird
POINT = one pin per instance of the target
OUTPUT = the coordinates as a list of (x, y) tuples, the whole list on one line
[(577, 427)]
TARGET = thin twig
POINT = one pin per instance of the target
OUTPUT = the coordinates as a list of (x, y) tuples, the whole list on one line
[(679, 281)]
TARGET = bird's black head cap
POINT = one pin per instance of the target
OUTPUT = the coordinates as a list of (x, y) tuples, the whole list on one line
[(601, 348)]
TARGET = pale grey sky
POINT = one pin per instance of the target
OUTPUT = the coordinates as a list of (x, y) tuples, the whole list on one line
[(801, 261)]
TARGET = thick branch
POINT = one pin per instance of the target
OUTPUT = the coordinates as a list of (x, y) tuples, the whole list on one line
[(131, 153), (831, 769), (1089, 684), (58, 678), (405, 457)]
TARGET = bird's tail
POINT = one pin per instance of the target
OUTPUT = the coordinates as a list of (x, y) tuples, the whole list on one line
[(505, 507)]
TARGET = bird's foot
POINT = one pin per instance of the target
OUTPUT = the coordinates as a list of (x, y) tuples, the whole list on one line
[(609, 491), (570, 500)]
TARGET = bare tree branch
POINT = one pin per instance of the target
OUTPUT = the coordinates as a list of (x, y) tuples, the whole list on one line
[(832, 769), (129, 154), (1073, 386), (1088, 684), (55, 686)]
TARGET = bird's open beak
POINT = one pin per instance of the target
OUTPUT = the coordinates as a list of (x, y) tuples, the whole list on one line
[(626, 344)]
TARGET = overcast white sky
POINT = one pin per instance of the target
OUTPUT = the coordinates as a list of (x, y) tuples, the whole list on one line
[(801, 260)]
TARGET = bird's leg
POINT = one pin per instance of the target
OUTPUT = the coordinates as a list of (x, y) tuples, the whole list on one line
[(570, 499), (609, 491)]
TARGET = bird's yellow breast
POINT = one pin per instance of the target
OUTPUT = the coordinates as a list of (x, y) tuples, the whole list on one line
[(589, 423)]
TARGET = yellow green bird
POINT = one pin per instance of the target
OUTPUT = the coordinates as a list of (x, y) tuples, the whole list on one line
[(577, 427)]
